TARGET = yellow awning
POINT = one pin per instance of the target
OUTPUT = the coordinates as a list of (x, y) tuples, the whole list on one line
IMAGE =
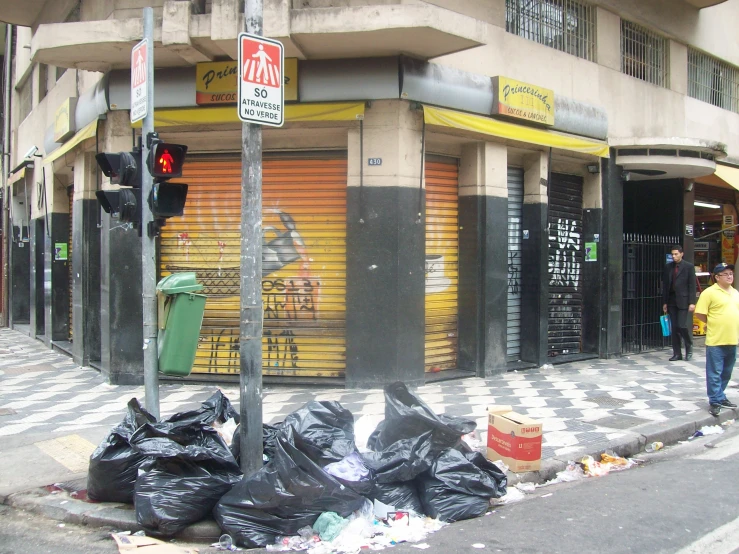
[(88, 131), (347, 111), (730, 175), (503, 129)]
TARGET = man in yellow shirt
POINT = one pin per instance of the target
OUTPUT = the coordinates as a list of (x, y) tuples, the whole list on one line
[(718, 307)]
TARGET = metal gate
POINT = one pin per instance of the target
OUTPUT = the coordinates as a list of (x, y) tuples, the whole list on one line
[(70, 274), (442, 263), (515, 209), (645, 257), (565, 264), (303, 261)]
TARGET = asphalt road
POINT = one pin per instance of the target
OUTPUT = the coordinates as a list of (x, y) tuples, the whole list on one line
[(682, 500)]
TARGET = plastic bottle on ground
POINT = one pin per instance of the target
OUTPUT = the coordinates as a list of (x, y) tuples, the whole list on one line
[(653, 447)]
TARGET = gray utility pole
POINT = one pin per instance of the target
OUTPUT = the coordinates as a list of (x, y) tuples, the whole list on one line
[(148, 243), (250, 339), (7, 231)]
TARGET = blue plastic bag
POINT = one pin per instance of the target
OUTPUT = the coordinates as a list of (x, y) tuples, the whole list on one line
[(666, 325)]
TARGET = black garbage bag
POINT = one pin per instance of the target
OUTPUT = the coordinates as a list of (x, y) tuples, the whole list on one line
[(269, 441), (460, 485), (188, 470), (411, 436), (402, 495), (217, 409), (288, 493), (326, 429), (115, 463)]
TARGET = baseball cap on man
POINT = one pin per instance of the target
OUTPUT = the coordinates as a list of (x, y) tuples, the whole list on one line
[(721, 267)]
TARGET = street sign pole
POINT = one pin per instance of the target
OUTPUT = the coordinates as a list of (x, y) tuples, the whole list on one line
[(148, 243), (250, 339)]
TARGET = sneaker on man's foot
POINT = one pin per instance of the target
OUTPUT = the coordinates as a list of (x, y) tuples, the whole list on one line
[(715, 409), (727, 404)]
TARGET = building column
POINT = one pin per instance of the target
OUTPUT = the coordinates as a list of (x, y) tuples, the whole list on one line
[(385, 245), (36, 297), (592, 284), (121, 304), (611, 252), (85, 262), (535, 260), (56, 268), (483, 258)]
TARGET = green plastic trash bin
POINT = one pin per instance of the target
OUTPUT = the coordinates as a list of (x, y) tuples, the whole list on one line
[(180, 317)]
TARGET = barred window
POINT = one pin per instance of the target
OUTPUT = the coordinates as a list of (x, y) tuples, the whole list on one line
[(644, 54), (566, 25), (713, 81)]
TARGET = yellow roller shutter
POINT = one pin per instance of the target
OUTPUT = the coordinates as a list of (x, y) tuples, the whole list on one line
[(304, 262), (442, 264)]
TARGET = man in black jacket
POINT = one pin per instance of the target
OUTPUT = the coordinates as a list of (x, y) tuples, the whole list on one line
[(678, 298)]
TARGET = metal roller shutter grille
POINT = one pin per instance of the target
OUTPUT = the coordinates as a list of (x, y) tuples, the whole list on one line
[(566, 257), (304, 262), (515, 209), (442, 264), (70, 196)]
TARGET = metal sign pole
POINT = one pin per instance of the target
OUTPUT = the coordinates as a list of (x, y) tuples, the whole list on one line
[(148, 243), (250, 339)]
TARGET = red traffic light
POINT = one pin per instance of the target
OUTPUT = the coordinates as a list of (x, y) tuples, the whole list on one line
[(166, 160)]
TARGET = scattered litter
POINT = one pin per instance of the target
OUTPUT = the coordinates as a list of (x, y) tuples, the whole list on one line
[(708, 430), (573, 472), (472, 440), (329, 525), (63, 502), (526, 487), (421, 546), (547, 495), (546, 367), (513, 495), (130, 543), (654, 446), (728, 422), (501, 465), (609, 462), (478, 545), (225, 543), (139, 534), (61, 525)]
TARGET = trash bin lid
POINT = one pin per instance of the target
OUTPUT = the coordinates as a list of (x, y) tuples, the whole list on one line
[(179, 282)]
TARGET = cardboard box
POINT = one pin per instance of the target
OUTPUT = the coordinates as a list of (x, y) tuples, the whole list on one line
[(515, 439)]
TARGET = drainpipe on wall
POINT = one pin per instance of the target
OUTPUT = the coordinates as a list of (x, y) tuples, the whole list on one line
[(6, 232)]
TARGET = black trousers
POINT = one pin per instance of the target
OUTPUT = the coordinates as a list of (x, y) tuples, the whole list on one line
[(682, 326)]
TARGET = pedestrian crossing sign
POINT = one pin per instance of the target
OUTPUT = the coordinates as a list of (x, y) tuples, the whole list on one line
[(261, 80)]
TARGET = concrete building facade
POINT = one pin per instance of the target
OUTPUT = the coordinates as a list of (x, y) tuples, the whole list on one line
[(468, 186)]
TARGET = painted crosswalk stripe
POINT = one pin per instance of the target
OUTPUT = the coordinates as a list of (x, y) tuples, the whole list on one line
[(719, 541), (723, 449)]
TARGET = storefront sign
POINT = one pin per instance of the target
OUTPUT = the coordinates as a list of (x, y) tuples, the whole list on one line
[(217, 82), (523, 101), (727, 240), (64, 120)]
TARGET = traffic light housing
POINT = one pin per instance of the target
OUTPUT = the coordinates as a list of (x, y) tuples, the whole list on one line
[(167, 199), (124, 169), (164, 162)]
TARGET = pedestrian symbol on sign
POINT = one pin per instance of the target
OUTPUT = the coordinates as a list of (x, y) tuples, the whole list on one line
[(261, 91)]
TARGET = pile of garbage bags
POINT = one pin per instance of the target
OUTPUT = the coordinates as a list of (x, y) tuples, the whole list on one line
[(179, 470)]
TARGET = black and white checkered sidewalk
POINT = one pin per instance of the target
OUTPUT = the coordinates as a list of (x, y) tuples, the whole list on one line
[(580, 404)]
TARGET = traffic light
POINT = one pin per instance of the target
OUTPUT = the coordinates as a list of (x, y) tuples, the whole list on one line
[(124, 169), (165, 162)]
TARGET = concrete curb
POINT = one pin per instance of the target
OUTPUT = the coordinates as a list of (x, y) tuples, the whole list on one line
[(62, 507)]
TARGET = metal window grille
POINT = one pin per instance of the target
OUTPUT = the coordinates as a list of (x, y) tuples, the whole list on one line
[(566, 25), (713, 81), (644, 54)]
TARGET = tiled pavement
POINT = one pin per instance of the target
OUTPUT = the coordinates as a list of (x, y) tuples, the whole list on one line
[(581, 404)]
